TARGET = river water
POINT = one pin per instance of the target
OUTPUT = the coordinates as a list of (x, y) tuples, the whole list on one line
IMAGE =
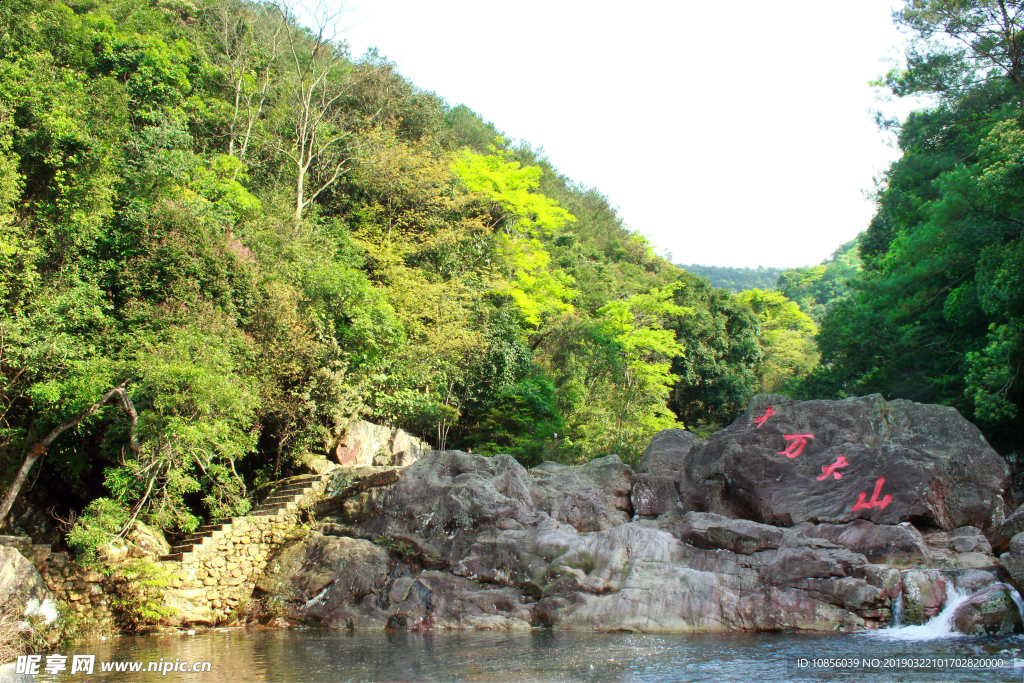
[(547, 655)]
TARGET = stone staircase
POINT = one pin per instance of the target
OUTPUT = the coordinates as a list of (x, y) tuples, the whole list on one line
[(283, 500)]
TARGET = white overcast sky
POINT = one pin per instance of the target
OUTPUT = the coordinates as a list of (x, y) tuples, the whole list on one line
[(731, 134)]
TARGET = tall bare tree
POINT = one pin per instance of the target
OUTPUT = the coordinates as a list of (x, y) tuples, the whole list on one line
[(247, 47), (317, 83)]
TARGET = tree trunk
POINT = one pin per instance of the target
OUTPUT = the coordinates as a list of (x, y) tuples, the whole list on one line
[(38, 450), (300, 181)]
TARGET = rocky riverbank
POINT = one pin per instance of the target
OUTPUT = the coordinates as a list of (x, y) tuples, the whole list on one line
[(814, 516), (817, 516)]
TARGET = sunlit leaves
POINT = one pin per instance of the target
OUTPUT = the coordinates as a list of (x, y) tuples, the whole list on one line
[(512, 188)]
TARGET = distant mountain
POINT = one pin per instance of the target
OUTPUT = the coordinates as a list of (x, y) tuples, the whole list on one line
[(736, 280)]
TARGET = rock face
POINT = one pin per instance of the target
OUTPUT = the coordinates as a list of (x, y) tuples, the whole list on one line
[(903, 545), (899, 544), (667, 452), (817, 516), (832, 462), (353, 583), (1013, 525), (405, 449), (654, 487), (588, 497), (367, 444), (471, 541), (1013, 560), (990, 611), (20, 581)]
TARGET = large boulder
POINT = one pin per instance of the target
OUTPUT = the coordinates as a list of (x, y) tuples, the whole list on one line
[(20, 582), (487, 537), (405, 449), (880, 543), (1013, 525), (589, 497), (654, 488), (363, 441), (903, 545), (366, 444), (1013, 560), (988, 612), (147, 542), (353, 583), (328, 580), (710, 573), (451, 509), (786, 462), (667, 452), (923, 594)]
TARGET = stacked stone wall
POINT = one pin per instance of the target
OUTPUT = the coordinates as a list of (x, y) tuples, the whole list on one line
[(85, 591), (216, 577)]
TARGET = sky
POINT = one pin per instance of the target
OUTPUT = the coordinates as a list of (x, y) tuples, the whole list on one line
[(734, 134)]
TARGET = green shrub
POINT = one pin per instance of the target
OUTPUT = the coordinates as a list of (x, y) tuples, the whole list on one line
[(98, 525)]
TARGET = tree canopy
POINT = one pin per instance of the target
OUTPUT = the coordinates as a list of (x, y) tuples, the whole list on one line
[(937, 314), (260, 239)]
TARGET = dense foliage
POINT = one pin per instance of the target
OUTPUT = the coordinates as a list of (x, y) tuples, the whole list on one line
[(938, 313), (736, 280), (788, 349), (816, 289), (263, 239)]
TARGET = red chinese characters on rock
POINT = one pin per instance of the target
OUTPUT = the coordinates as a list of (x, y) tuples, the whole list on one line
[(874, 502), (796, 444), (830, 470), (760, 420)]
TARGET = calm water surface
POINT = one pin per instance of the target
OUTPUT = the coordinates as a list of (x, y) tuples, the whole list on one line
[(539, 655)]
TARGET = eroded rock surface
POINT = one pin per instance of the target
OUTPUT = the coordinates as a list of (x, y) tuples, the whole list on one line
[(541, 547), (836, 461), (654, 489), (588, 497), (20, 581), (749, 530), (366, 444), (990, 611)]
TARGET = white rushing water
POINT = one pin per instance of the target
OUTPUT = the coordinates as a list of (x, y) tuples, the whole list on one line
[(1016, 598), (939, 626)]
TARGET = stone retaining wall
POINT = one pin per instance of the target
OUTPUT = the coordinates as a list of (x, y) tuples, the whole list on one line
[(203, 587), (85, 591), (212, 580)]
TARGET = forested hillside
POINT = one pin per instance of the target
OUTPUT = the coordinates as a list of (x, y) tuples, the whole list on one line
[(736, 280), (223, 239), (938, 313), (816, 289)]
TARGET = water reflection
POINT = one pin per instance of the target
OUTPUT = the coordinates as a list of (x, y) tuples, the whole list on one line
[(537, 655)]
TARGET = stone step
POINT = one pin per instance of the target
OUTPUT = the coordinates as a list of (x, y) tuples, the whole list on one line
[(214, 527), (292, 491), (173, 557), (271, 512), (183, 548), (289, 503), (277, 500)]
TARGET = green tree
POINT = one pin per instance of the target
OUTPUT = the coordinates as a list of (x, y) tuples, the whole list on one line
[(788, 351)]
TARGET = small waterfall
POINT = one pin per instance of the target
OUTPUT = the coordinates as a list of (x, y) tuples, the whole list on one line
[(939, 626), (897, 609), (1016, 598)]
